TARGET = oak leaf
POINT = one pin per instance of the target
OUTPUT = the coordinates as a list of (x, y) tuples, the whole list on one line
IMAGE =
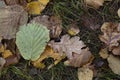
[(111, 36), (68, 45)]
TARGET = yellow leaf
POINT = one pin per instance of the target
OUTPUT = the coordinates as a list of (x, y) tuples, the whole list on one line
[(44, 2), (6, 53), (2, 48), (47, 53), (104, 53), (36, 7)]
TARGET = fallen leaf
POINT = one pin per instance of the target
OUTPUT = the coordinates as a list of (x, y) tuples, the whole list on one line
[(48, 52), (79, 60), (2, 62), (111, 35), (6, 53), (68, 45), (104, 53), (53, 23), (116, 50), (11, 2), (118, 12), (114, 64), (36, 7), (85, 74), (11, 17), (31, 40), (94, 3), (2, 48), (13, 59), (90, 22), (73, 29)]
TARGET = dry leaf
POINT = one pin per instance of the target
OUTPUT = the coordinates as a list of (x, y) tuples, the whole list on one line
[(13, 59), (53, 23), (2, 62), (73, 29), (68, 45), (116, 50), (94, 3), (79, 60), (47, 53), (104, 53), (11, 2), (2, 48), (90, 22), (85, 74), (118, 12), (111, 35), (6, 53), (36, 7), (11, 17), (114, 64)]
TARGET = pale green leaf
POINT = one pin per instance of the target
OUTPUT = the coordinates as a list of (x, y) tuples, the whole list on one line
[(31, 40)]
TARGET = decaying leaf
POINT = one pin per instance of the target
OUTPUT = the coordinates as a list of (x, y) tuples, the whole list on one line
[(31, 40), (104, 53), (11, 17), (13, 59), (111, 35), (85, 74), (116, 50), (36, 7), (48, 52), (79, 60), (90, 22), (11, 2), (94, 3), (68, 45), (114, 64), (2, 62), (73, 29), (118, 12), (53, 23)]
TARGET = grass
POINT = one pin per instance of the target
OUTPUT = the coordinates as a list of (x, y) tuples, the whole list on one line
[(69, 11)]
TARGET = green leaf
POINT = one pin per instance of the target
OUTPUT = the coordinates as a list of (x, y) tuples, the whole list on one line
[(31, 40)]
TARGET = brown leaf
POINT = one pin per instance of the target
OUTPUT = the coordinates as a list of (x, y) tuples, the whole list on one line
[(53, 23), (68, 45), (13, 59), (11, 2), (111, 35), (90, 22), (84, 58), (116, 50), (11, 17)]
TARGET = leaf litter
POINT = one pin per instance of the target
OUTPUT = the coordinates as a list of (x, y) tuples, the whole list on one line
[(65, 45)]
